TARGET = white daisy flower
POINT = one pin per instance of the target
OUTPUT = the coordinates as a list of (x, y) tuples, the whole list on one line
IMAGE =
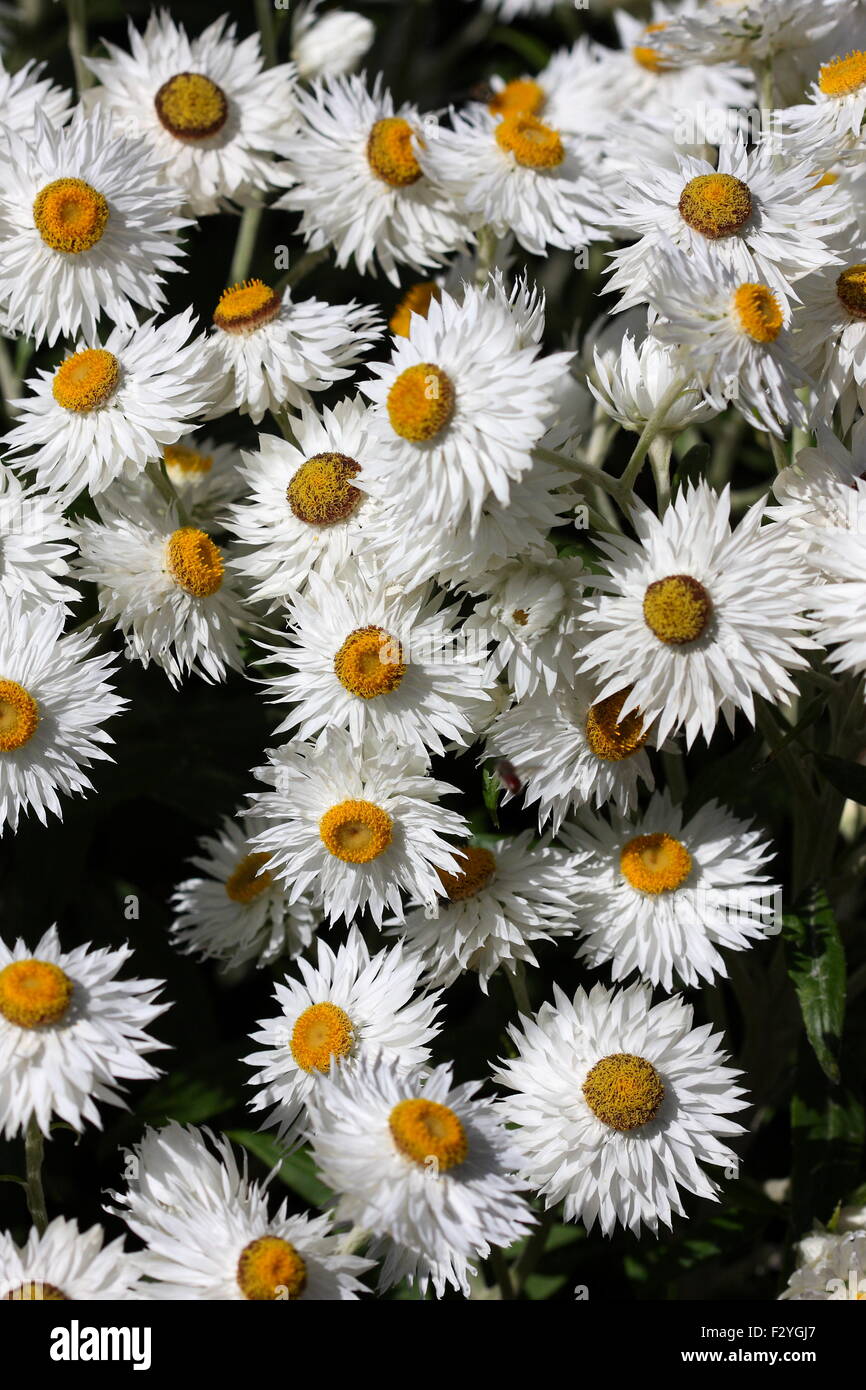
[(34, 538), (517, 173), (65, 1264), (27, 91), (830, 336), (355, 175), (107, 410), (352, 1006), (304, 509), (754, 214), (234, 911), (619, 1104), (268, 352), (698, 618), (70, 1032), (54, 699), (632, 378), (368, 656), (572, 93), (660, 894), (832, 119), (209, 1234), (87, 227), (830, 1269), (164, 586), (422, 1164), (331, 44), (507, 894), (836, 604), (461, 405), (206, 477), (819, 491), (530, 615), (206, 108), (734, 335), (355, 825), (748, 31), (570, 748)]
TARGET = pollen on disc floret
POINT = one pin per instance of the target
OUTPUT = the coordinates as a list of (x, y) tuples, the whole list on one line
[(521, 94), (624, 1091), (356, 831), (191, 107), (533, 144), (757, 312), (34, 993), (370, 663), (35, 1291), (246, 306), (610, 738), (70, 216), (86, 381), (716, 205), (390, 153), (421, 402), (270, 1268), (841, 77), (321, 491), (423, 1130), (194, 562), (250, 879), (851, 290), (186, 460), (648, 57), (477, 867), (655, 863), (323, 1031), (677, 609), (19, 716)]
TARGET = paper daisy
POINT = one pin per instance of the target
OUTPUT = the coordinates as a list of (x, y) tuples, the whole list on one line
[(837, 604), (819, 491), (572, 93), (530, 616), (54, 700), (64, 1264), (620, 1103), (34, 538), (748, 31), (234, 911), (832, 119), (351, 1007), (25, 92), (754, 214), (268, 352), (570, 748), (368, 656), (70, 1032), (87, 227), (460, 406), (328, 45), (355, 175), (107, 410), (515, 172), (699, 618), (209, 1234), (507, 894), (662, 895), (206, 108), (734, 336), (355, 825), (206, 477), (830, 1268), (830, 336), (632, 378), (164, 586), (422, 1164), (304, 508)]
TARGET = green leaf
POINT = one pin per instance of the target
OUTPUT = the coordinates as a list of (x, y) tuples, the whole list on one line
[(530, 49), (297, 1170), (827, 1132), (187, 1098), (816, 965), (848, 778), (10, 1177)]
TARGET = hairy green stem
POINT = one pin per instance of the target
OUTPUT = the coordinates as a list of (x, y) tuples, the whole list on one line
[(245, 244), (76, 13), (34, 1152)]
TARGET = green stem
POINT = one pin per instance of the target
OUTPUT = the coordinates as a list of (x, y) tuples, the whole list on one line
[(499, 1265), (10, 381), (486, 253), (780, 453), (650, 432), (156, 471), (532, 1250), (76, 12), (302, 268), (245, 244), (660, 458), (589, 471), (34, 1152), (517, 980), (265, 21)]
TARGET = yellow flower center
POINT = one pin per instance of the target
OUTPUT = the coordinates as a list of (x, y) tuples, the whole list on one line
[(271, 1269), (420, 402), (480, 866), (179, 458), (70, 215), (827, 180), (655, 863), (194, 562), (86, 381), (650, 58), (842, 76), (356, 831), (534, 145), (416, 300), (34, 992), (321, 491), (716, 205), (520, 95), (19, 715), (423, 1130), (623, 1091), (34, 1291), (321, 1033), (757, 312), (851, 289), (370, 663), (611, 738), (249, 879), (191, 107), (390, 153), (246, 306), (677, 609)]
